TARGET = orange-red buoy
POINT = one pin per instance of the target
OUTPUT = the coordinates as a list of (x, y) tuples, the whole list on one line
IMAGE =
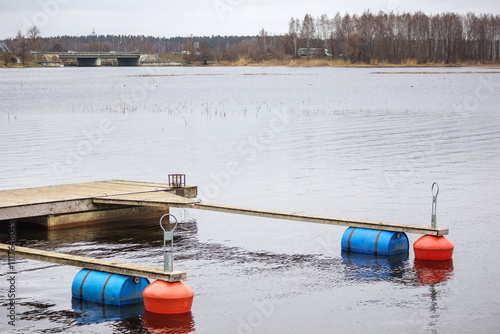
[(168, 298), (430, 247)]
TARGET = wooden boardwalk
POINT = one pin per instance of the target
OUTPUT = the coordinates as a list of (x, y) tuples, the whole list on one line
[(111, 267)]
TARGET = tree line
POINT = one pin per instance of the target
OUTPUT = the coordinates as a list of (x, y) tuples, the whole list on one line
[(367, 38), (24, 45), (394, 38)]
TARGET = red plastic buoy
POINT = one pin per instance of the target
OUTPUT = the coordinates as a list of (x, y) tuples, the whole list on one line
[(168, 298), (430, 247)]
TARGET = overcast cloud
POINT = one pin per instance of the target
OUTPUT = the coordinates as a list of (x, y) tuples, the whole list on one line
[(201, 17)]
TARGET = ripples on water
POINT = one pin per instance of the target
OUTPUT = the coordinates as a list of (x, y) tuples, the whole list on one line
[(336, 142)]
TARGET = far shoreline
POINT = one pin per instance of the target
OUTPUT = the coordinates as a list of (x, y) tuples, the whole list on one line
[(294, 62)]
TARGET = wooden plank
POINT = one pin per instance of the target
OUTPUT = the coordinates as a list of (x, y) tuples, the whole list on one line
[(319, 219), (87, 190), (94, 264), (45, 209), (159, 198), (160, 186), (74, 191)]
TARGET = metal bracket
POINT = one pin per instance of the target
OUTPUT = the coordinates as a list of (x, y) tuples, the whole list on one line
[(434, 204), (168, 257)]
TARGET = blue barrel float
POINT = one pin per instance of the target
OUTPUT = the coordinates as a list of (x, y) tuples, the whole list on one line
[(362, 240), (106, 288)]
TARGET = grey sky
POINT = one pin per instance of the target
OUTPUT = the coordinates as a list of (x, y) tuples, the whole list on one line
[(198, 17)]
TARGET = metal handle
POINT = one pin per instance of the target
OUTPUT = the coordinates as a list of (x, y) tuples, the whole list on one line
[(168, 258), (165, 215), (434, 204)]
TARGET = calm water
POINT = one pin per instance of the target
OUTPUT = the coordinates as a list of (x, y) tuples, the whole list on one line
[(339, 142)]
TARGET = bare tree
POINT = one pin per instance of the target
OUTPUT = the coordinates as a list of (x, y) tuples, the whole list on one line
[(263, 42), (33, 35), (422, 36), (206, 53), (308, 31), (323, 29), (6, 57), (188, 50), (345, 29), (293, 33), (366, 28), (21, 46)]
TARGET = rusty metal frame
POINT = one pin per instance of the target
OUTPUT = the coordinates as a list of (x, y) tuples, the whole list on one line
[(176, 180)]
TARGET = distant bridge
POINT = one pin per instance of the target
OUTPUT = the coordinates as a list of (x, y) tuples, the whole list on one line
[(95, 58)]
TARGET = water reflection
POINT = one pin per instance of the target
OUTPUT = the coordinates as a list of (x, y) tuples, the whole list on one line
[(132, 316), (435, 275), (118, 232), (89, 312), (432, 272), (120, 238), (168, 323), (371, 267), (395, 268), (433, 309), (367, 268)]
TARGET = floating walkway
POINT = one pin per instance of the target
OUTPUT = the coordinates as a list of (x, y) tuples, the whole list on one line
[(94, 264), (83, 203), (64, 206), (381, 226)]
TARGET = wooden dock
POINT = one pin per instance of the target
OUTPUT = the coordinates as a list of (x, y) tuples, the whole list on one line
[(66, 205), (94, 264)]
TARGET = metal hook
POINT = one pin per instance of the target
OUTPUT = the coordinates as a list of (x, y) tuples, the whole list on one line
[(168, 259), (434, 204)]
